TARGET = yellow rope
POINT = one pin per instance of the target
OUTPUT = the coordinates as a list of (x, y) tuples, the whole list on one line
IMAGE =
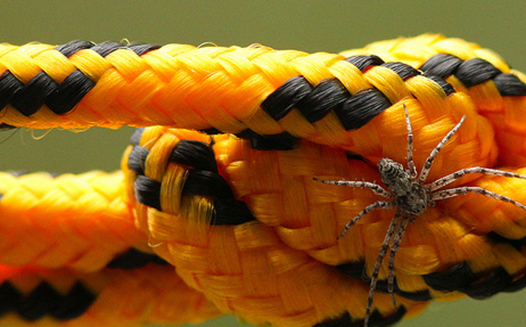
[(144, 296), (235, 209), (38, 228), (65, 231)]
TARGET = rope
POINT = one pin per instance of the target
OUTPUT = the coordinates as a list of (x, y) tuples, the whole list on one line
[(220, 184), (38, 228), (109, 297)]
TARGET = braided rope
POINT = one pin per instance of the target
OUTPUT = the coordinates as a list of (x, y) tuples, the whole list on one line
[(296, 216), (239, 216), (65, 255), (38, 230), (249, 268), (206, 88), (110, 297), (499, 96)]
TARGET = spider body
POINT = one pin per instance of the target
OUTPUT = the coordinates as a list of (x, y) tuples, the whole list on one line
[(415, 202), (410, 196), (395, 176)]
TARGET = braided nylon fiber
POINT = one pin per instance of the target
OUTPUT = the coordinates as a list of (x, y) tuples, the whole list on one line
[(235, 209), (33, 205), (140, 297), (59, 232)]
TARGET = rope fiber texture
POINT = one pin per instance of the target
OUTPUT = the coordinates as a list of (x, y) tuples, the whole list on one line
[(218, 182)]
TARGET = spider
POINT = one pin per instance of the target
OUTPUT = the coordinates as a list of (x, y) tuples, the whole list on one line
[(410, 196)]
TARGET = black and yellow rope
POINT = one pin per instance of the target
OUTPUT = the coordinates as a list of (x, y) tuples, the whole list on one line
[(218, 183)]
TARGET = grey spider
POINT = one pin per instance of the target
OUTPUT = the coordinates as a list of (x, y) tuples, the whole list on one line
[(410, 196)]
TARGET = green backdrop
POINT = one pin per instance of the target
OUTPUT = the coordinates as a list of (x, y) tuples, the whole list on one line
[(305, 25)]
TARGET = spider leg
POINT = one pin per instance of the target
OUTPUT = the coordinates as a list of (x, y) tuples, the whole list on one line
[(376, 270), (452, 192), (410, 162), (436, 150), (400, 230), (369, 208), (377, 189), (448, 179)]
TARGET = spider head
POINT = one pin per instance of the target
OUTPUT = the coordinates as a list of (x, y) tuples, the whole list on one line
[(395, 176)]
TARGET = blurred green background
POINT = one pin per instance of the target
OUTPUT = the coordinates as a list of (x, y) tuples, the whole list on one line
[(305, 25)]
